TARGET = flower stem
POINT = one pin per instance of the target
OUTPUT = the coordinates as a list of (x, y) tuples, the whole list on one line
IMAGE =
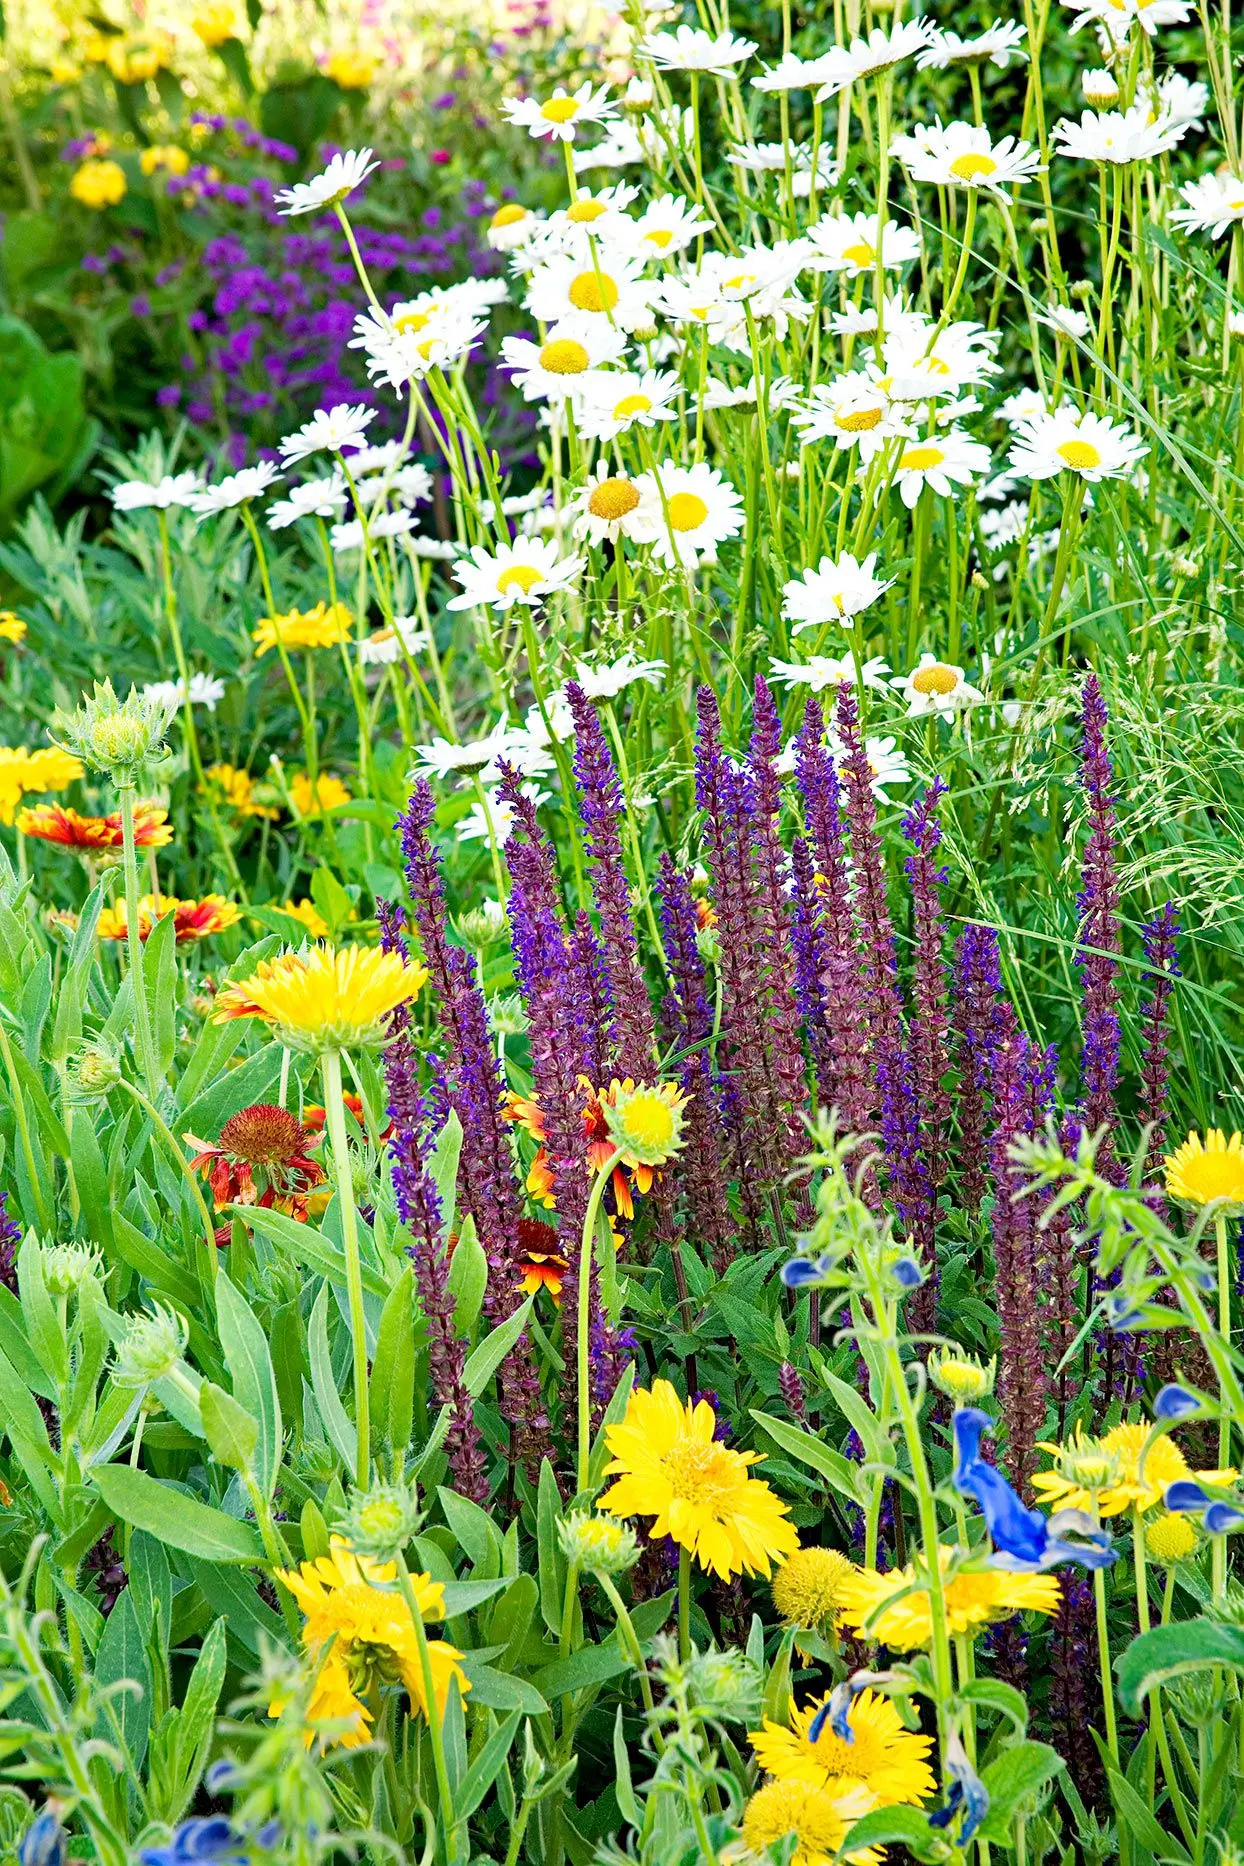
[(449, 1820), (584, 1312), (330, 1066), (142, 1014), (684, 1602)]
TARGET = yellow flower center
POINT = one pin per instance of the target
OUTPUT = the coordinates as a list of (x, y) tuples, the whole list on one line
[(920, 459), (592, 291), (687, 511), (631, 405), (586, 211), (739, 280), (1170, 1538), (518, 576), (935, 679), (649, 1118), (860, 254), (411, 321), (807, 1586), (659, 237), (858, 420), (968, 167), (613, 498), (1081, 456), (509, 215), (564, 357), (559, 110), (699, 1473)]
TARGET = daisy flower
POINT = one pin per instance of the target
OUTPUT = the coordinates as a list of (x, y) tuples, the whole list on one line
[(234, 490), (203, 690), (834, 592), (962, 155), (1067, 441), (791, 73), (1213, 204), (868, 58), (315, 498), (54, 822), (620, 149), (823, 671), (1101, 89), (441, 758), (324, 999), (770, 159), (921, 361), (493, 819), (604, 680), (894, 1607), (611, 506), (561, 115), (525, 571), (693, 510), (940, 462), (1201, 1172), (1137, 1469), (321, 627), (192, 920), (607, 284), (1116, 136), (819, 1818), (384, 646), (329, 431), (510, 227), (848, 243), (852, 411), (419, 334), (1182, 100), (890, 1761), (619, 399), (1066, 321), (887, 765), (1023, 405), (1115, 18), (690, 49), (174, 489), (408, 485), (327, 793), (567, 363), (342, 176), (667, 226), (669, 1466), (997, 45), (935, 687)]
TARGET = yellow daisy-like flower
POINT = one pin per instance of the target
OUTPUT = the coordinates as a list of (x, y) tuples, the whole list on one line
[(1171, 1538), (1202, 1171), (12, 628), (353, 71), (164, 156), (192, 920), (669, 1466), (135, 57), (21, 771), (807, 1588), (98, 184), (645, 1124), (975, 1597), (215, 22), (1128, 1486), (313, 799), (321, 627), (306, 911), (889, 1760), (238, 790), (819, 1818), (325, 999), (352, 1608)]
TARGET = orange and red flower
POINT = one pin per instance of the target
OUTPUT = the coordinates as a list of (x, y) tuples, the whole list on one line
[(540, 1175), (314, 1116), (192, 920), (53, 822), (540, 1264), (261, 1157)]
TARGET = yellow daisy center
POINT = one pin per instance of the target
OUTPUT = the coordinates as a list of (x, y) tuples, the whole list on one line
[(564, 357), (659, 237), (649, 1118), (806, 1588), (586, 211), (591, 291), (613, 498), (410, 322), (935, 679), (701, 1473), (687, 511), (858, 420), (968, 167), (739, 280), (509, 215), (559, 110), (518, 576), (861, 254), (1081, 456), (636, 404), (920, 459), (1170, 1538)]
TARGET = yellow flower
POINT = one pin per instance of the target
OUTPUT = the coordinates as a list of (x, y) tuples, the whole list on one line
[(214, 23), (1120, 1449), (327, 792), (645, 1124), (325, 999), (819, 1819), (962, 1377), (64, 71), (12, 628), (886, 1758), (353, 71), (807, 1588), (239, 791), (669, 1467), (1170, 1538), (50, 768), (98, 184), (135, 57), (359, 1629), (164, 155), (975, 1597), (321, 627), (1201, 1171), (311, 918)]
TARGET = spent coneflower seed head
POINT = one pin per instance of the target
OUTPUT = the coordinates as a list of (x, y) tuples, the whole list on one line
[(264, 1135)]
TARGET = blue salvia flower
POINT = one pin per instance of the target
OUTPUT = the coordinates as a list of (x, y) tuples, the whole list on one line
[(211, 1841), (968, 1799), (1176, 1402), (43, 1843), (836, 1710), (1188, 1498), (1025, 1541)]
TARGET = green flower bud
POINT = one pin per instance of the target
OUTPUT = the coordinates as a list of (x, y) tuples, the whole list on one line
[(597, 1544), (67, 1266), (121, 737), (381, 1521), (93, 1072), (152, 1347)]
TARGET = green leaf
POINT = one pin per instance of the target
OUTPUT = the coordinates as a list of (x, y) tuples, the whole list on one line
[(993, 1694), (807, 1449), (231, 1432), (465, 1596), (232, 55), (337, 1422), (591, 1665), (122, 1655), (1168, 1652), (307, 1245), (1135, 1813), (483, 1361), (43, 1329), (443, 1166), (552, 1563), (886, 1826), (484, 1771), (1015, 1774), (252, 1080), (623, 1787), (236, 1598), (246, 1354), (473, 1532), (196, 1718), (392, 1384), (468, 1277), (178, 1520), (498, 1691)]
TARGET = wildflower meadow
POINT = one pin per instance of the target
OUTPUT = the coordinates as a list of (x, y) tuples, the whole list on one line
[(621, 861)]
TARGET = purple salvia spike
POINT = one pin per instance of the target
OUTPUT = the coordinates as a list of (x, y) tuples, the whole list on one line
[(1160, 936), (1100, 935), (910, 1185), (601, 807), (1022, 1388), (869, 878), (979, 1021), (593, 974), (808, 942), (929, 1022)]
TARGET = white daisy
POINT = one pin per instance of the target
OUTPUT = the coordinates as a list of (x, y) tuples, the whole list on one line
[(174, 489), (667, 226), (835, 591), (611, 505), (997, 45), (848, 243), (1115, 18), (340, 178), (493, 819), (619, 400), (315, 498), (349, 536), (383, 647), (620, 149), (921, 361), (867, 58), (1101, 89), (1182, 100), (1020, 407), (525, 571), (823, 671), (853, 411), (510, 227), (1066, 321), (329, 431), (419, 334), (935, 687), (886, 763), (234, 490), (381, 457), (758, 159), (204, 690), (1116, 136), (728, 395), (442, 758), (603, 680), (791, 73), (690, 49), (693, 510), (560, 724), (1213, 204), (1068, 441), (962, 155), (408, 485), (940, 462), (569, 361), (561, 115), (607, 285)]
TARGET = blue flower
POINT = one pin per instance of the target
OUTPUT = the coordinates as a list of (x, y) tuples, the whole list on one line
[(43, 1843), (801, 1272), (836, 1709), (213, 1841), (1025, 1541), (1176, 1402), (968, 1795), (1217, 1518), (907, 1273)]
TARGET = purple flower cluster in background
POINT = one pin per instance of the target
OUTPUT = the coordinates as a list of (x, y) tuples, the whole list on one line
[(246, 133)]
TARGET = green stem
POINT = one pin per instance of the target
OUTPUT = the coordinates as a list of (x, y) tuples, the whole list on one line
[(449, 1820), (584, 1313), (142, 1014), (684, 1602), (330, 1067)]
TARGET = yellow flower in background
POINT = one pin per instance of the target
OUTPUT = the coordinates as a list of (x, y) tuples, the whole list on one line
[(1171, 1538), (238, 790), (313, 799), (192, 920), (353, 71), (306, 911), (214, 23), (64, 71), (164, 156), (12, 628), (321, 627), (134, 57), (325, 999), (975, 1597), (669, 1466), (1204, 1170), (48, 768), (355, 1616), (819, 1818), (98, 184), (889, 1760), (1120, 1451), (807, 1588)]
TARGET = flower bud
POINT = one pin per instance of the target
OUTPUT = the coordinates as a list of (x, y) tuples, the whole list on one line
[(598, 1544), (381, 1521), (94, 1071), (507, 1016), (1101, 89), (151, 1348), (961, 1377), (66, 1266), (121, 737)]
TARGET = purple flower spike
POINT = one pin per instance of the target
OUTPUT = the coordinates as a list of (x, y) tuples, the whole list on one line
[(1100, 938)]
